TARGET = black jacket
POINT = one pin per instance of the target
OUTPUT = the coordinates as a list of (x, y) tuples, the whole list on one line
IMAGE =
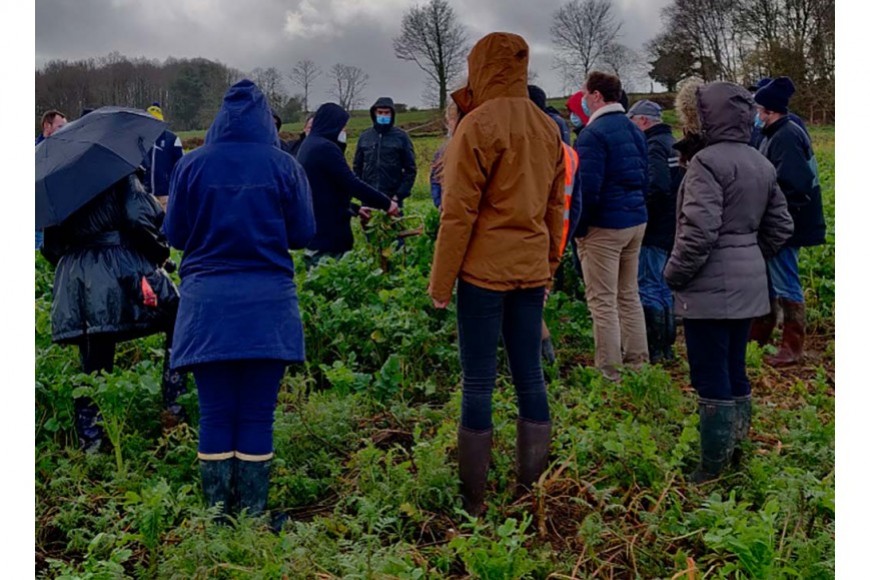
[(332, 182), (385, 157), (101, 253), (294, 145), (665, 175), (789, 149)]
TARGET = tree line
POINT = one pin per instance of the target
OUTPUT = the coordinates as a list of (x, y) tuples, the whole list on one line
[(743, 40), (734, 40)]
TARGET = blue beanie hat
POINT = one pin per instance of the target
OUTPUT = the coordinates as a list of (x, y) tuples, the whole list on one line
[(774, 95), (761, 82)]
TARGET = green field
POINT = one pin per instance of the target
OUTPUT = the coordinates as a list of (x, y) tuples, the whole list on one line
[(365, 436)]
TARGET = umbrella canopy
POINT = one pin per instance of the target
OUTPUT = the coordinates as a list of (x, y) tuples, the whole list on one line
[(87, 156)]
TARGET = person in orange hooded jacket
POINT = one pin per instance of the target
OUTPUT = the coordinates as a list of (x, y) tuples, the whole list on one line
[(500, 235)]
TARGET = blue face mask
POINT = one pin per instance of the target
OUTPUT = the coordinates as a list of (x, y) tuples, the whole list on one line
[(758, 122), (576, 121), (383, 119), (585, 107)]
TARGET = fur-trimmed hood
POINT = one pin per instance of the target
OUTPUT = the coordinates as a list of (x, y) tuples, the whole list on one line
[(718, 111)]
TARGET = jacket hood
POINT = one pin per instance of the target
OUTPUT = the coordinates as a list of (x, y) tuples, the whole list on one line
[(244, 117), (726, 111), (498, 66), (719, 111), (574, 105), (686, 104), (383, 102), (329, 120)]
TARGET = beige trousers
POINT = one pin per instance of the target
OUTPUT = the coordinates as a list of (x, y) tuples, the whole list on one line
[(609, 258)]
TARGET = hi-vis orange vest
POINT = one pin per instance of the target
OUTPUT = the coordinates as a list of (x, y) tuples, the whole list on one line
[(572, 162)]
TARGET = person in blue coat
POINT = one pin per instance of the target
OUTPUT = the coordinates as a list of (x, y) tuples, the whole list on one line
[(236, 205), (614, 184), (161, 160), (333, 185)]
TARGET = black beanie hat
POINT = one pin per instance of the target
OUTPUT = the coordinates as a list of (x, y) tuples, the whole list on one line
[(774, 95), (538, 96)]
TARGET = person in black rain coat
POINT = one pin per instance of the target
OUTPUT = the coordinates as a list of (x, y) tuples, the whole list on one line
[(384, 156), (109, 286)]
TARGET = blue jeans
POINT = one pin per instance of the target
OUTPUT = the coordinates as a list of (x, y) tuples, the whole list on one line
[(716, 350), (484, 315), (39, 239), (237, 402), (782, 272), (654, 291)]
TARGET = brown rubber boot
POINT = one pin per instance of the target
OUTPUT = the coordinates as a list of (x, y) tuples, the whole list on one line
[(762, 327), (793, 334), (474, 458), (533, 451)]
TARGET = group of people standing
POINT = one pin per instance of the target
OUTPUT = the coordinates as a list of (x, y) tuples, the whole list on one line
[(662, 229), (705, 229)]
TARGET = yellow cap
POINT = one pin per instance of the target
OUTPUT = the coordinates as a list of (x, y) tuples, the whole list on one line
[(156, 112)]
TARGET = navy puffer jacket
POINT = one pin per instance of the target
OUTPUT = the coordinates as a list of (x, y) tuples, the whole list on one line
[(613, 172)]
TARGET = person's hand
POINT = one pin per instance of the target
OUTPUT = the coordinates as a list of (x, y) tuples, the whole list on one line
[(546, 294), (440, 305), (365, 213), (394, 209)]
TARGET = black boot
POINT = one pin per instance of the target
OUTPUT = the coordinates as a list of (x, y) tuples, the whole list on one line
[(742, 419), (548, 353), (670, 335), (174, 384), (717, 438), (533, 452), (474, 456), (217, 483), (252, 485), (655, 326), (88, 429)]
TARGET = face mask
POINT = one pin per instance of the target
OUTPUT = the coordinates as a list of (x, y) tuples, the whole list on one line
[(383, 119), (576, 121), (585, 107), (758, 122), (342, 137)]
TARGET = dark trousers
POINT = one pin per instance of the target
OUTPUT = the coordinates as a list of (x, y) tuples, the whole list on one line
[(717, 357), (484, 315), (97, 353), (237, 402)]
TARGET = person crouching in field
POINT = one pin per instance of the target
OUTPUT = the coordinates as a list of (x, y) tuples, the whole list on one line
[(236, 205), (731, 216), (500, 234)]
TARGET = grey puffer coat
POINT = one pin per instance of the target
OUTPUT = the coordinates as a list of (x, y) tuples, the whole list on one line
[(731, 214)]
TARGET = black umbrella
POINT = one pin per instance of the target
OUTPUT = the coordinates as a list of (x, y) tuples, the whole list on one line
[(87, 156)]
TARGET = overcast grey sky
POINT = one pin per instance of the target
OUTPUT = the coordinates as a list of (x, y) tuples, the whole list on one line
[(263, 33)]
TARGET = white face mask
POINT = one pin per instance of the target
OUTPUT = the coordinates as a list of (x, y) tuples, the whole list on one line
[(342, 137)]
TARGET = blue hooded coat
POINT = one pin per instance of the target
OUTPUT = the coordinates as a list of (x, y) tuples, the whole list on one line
[(236, 205), (333, 184)]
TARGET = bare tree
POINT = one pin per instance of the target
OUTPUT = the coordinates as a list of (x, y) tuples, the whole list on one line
[(433, 38), (350, 82), (303, 74), (582, 30), (625, 63), (271, 83)]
